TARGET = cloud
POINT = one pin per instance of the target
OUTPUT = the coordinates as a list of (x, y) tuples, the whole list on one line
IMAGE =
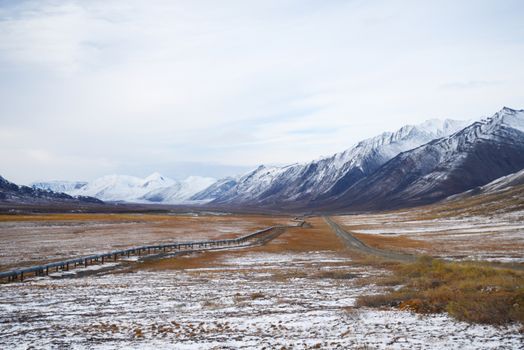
[(471, 84), (118, 83)]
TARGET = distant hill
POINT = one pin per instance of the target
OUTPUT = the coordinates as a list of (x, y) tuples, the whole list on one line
[(504, 195), (155, 188), (12, 193)]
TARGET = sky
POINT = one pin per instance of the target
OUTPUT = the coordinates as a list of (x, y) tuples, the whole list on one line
[(215, 88)]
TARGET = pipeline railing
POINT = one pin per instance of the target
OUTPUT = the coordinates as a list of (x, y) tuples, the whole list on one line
[(65, 265)]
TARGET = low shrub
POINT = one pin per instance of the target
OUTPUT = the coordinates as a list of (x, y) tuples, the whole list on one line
[(468, 291)]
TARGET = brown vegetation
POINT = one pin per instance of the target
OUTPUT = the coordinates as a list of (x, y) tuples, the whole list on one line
[(181, 262), (295, 239), (468, 291), (318, 236), (54, 237)]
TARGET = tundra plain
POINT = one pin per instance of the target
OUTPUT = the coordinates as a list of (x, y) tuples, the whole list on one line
[(301, 290)]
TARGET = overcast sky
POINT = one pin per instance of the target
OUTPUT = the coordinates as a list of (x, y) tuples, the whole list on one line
[(89, 88)]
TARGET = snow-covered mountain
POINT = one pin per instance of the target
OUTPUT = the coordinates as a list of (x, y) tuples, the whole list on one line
[(15, 194), (180, 191), (472, 157), (154, 188), (414, 165), (217, 189), (59, 186), (123, 187), (325, 177)]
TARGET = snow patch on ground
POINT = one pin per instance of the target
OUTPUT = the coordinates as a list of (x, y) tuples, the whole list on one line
[(244, 303)]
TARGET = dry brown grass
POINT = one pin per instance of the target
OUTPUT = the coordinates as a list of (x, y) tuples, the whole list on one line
[(318, 237), (295, 239), (160, 218), (182, 262), (57, 237), (472, 292), (84, 217), (257, 295)]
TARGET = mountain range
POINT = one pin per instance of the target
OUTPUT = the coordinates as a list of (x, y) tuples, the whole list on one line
[(415, 165), (299, 184), (155, 188), (471, 157), (12, 193)]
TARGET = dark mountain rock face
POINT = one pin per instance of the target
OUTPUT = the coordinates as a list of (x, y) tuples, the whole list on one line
[(472, 157), (10, 192)]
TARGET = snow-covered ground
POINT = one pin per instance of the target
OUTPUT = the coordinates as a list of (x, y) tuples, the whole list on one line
[(246, 299), (496, 238)]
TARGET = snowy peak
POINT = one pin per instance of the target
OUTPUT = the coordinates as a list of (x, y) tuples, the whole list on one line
[(156, 180), (441, 127), (405, 138), (511, 118), (496, 126), (179, 192), (10, 192), (156, 176), (115, 188), (59, 186), (154, 188), (216, 190)]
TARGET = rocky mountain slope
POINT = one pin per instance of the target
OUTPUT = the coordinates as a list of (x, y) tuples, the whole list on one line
[(59, 186), (326, 177), (498, 186), (472, 157), (12, 193)]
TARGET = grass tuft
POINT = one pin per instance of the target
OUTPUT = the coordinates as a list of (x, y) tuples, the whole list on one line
[(468, 291)]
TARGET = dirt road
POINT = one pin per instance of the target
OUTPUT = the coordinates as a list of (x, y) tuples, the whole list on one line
[(356, 244)]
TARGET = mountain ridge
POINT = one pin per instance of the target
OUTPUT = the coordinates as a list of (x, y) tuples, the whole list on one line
[(472, 157), (11, 192), (328, 176), (414, 165), (154, 188)]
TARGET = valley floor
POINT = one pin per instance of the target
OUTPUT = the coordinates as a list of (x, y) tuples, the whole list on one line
[(296, 292), (497, 238)]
